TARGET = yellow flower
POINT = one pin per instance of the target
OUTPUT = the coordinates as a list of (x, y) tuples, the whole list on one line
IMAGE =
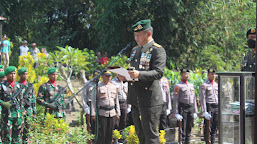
[(116, 134), (162, 136)]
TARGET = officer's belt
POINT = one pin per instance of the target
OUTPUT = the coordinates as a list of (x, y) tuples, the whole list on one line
[(106, 108), (122, 101), (213, 105), (184, 105)]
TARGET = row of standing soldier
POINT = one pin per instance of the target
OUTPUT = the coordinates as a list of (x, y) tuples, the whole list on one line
[(18, 102)]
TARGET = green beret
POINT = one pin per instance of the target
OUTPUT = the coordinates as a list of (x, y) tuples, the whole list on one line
[(251, 30), (52, 70), (9, 70), (22, 70), (141, 25), (1, 67), (183, 70), (2, 74)]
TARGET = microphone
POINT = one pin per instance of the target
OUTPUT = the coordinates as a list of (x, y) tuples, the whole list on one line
[(124, 49)]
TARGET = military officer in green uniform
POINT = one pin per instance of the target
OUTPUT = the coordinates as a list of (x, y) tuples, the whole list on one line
[(11, 99), (49, 95), (29, 101), (1, 68), (148, 60), (249, 58), (2, 76)]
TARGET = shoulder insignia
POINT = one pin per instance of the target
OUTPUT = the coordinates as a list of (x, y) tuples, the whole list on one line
[(203, 87), (157, 45)]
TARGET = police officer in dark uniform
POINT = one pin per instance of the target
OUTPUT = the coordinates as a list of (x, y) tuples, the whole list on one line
[(185, 104), (209, 105), (249, 58), (148, 61)]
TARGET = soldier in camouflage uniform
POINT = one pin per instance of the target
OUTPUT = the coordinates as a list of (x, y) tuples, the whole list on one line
[(28, 100), (12, 109), (249, 58), (1, 68), (48, 93), (2, 78)]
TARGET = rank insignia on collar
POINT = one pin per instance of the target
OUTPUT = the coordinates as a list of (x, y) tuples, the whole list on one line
[(253, 30), (151, 49)]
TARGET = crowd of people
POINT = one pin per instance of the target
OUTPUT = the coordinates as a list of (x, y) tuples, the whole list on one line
[(23, 50), (145, 100)]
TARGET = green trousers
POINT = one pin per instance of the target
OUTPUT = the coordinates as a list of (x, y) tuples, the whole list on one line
[(11, 130)]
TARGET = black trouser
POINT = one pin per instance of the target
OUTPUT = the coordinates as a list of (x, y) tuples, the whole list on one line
[(163, 117), (146, 127), (212, 109), (187, 112), (121, 123), (129, 119), (106, 126)]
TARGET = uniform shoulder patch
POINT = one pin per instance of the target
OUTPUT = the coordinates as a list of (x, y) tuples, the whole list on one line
[(202, 86), (157, 45)]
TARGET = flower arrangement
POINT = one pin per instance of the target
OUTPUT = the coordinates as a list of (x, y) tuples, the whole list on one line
[(116, 134), (132, 137), (162, 136)]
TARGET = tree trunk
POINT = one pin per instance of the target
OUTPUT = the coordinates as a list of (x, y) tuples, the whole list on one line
[(83, 76)]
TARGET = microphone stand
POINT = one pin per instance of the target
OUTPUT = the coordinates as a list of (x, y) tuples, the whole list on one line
[(95, 80), (118, 56)]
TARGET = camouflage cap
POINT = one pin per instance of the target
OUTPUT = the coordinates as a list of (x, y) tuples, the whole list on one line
[(2, 75), (22, 70), (9, 70), (141, 25), (52, 70), (251, 30)]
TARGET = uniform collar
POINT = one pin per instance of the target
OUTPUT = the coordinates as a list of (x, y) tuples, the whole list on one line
[(11, 83), (186, 82), (145, 47), (52, 82)]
